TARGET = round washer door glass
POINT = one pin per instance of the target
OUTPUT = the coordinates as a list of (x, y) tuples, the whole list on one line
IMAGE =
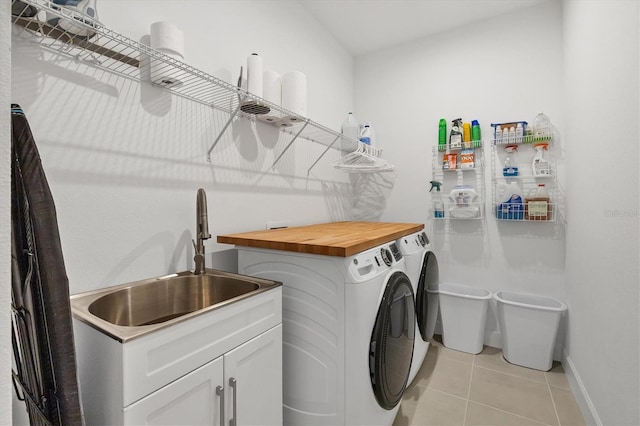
[(391, 348), (429, 277)]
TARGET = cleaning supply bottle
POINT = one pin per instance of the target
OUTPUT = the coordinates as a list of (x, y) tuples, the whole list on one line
[(455, 137), (510, 169), (475, 133), (466, 135), (540, 165), (538, 206), (365, 134), (438, 204), (498, 139), (512, 135), (519, 133), (541, 125), (511, 206), (442, 134), (351, 127)]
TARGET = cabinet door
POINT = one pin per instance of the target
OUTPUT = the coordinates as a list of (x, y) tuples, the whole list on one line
[(253, 379), (190, 400)]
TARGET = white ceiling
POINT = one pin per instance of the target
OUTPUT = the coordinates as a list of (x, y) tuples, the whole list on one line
[(365, 26)]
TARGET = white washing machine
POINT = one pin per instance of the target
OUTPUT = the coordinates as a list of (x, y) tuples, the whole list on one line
[(348, 333), (422, 269)]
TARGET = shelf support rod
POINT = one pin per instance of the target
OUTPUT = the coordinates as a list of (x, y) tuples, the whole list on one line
[(224, 129), (290, 143), (323, 153)]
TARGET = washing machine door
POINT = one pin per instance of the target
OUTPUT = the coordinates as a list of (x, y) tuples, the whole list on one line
[(391, 348), (429, 277)]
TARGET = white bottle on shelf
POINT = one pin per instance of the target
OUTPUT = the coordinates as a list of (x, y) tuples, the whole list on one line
[(519, 133), (512, 135), (368, 135), (541, 125), (351, 127), (498, 135)]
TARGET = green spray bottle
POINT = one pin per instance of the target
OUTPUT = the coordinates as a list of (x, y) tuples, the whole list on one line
[(442, 135), (438, 205)]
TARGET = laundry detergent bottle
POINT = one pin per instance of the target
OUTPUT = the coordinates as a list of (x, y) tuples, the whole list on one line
[(511, 206), (351, 127)]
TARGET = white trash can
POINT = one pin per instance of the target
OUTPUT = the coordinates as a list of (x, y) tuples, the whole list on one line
[(464, 314), (529, 326)]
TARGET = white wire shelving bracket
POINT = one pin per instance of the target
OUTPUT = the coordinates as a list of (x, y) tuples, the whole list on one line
[(116, 53)]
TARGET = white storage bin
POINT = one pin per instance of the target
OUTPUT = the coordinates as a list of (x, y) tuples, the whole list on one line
[(529, 326), (464, 314)]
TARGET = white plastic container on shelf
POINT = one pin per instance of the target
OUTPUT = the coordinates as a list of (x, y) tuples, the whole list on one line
[(464, 314), (541, 125), (529, 327), (351, 127)]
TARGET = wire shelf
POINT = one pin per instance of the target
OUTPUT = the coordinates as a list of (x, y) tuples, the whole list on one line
[(86, 40)]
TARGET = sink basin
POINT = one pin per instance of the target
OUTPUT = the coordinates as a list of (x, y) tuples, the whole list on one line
[(131, 310)]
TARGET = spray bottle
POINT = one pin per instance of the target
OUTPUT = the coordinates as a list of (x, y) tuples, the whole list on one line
[(455, 137), (442, 134), (510, 169), (475, 133), (438, 205), (540, 165)]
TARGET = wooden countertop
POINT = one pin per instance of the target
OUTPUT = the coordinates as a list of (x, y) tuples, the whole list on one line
[(330, 239)]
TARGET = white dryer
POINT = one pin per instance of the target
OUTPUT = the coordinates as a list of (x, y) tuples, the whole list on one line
[(348, 333), (422, 269)]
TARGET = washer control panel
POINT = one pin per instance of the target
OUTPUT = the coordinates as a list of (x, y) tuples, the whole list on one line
[(371, 262)]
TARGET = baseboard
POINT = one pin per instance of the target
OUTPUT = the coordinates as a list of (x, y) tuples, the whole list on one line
[(493, 339), (585, 404)]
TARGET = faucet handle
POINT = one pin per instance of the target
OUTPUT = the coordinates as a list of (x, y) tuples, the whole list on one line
[(194, 244)]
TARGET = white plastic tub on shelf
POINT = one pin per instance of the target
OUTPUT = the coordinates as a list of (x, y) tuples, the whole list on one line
[(464, 314), (529, 326)]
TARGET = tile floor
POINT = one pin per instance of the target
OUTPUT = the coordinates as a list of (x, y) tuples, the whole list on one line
[(456, 388)]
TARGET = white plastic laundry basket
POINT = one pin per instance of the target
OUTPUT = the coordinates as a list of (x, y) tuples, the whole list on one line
[(464, 314), (529, 326)]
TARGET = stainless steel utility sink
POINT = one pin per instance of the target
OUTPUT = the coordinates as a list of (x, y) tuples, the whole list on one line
[(134, 309)]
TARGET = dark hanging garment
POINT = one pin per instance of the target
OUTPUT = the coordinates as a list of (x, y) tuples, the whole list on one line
[(42, 331)]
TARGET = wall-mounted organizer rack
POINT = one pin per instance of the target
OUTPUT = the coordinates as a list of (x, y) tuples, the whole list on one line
[(525, 165), (116, 53), (461, 174)]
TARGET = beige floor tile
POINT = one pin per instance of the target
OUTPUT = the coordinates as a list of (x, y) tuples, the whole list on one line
[(567, 407), (482, 415), (492, 358), (513, 394), (557, 377), (442, 351), (433, 408), (445, 374)]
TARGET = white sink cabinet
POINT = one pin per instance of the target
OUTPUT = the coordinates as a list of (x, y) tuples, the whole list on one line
[(185, 374)]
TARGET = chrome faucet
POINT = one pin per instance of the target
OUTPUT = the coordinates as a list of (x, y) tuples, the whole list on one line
[(202, 230)]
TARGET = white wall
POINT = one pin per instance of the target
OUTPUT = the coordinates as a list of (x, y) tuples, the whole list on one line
[(124, 159), (497, 70), (601, 42)]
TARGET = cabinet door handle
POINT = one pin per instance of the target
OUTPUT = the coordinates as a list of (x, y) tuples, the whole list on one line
[(233, 420), (220, 393)]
